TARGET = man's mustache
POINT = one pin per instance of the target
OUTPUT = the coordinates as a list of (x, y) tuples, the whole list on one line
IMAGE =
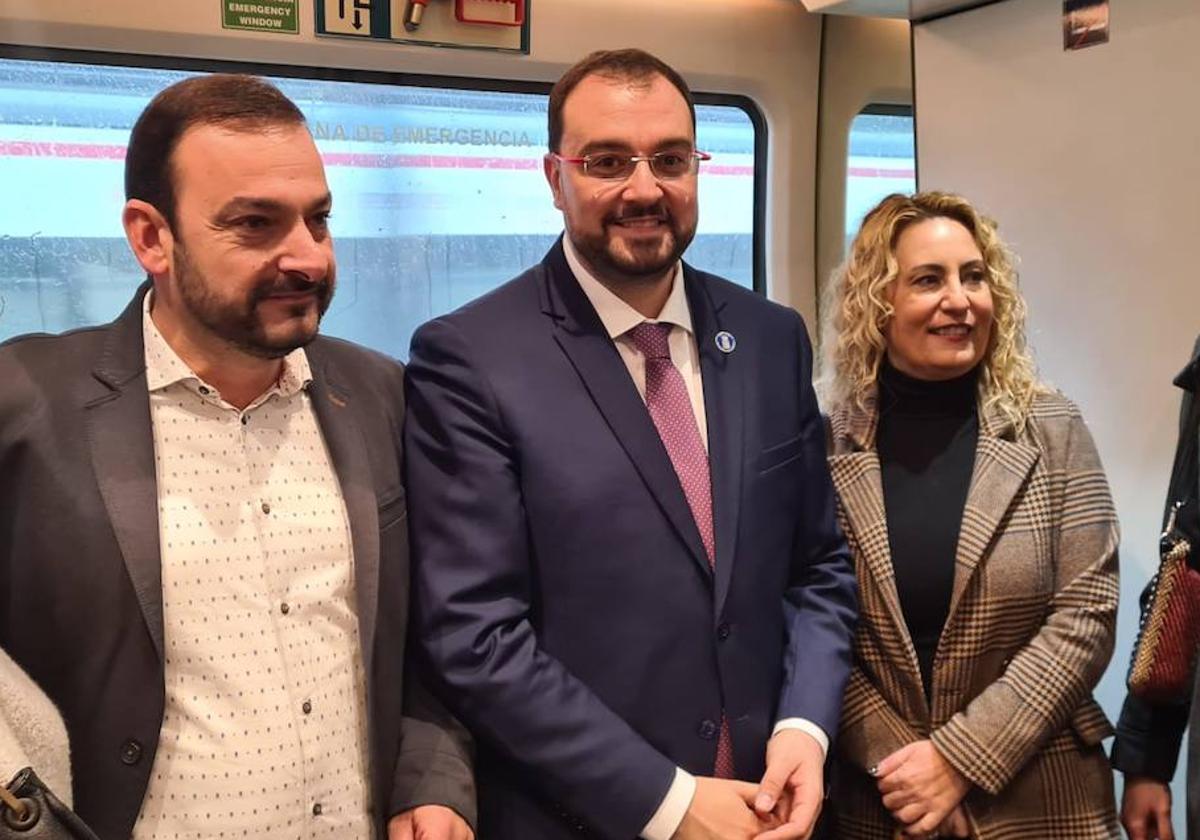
[(655, 211), (293, 284)]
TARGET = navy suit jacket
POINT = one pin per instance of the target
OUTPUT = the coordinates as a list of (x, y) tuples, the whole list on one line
[(563, 591)]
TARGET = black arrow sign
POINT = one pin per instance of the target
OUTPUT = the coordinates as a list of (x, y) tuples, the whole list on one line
[(359, 7)]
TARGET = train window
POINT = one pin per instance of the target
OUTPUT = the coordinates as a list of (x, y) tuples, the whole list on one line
[(438, 193), (882, 160)]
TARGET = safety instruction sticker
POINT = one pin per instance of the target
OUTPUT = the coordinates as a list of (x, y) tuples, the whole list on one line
[(349, 17), (261, 15)]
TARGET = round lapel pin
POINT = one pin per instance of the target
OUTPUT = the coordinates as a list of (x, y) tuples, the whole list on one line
[(725, 341)]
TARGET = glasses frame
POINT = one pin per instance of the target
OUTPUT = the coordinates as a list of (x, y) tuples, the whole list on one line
[(583, 163)]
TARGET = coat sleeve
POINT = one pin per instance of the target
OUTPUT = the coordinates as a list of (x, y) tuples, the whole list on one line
[(1149, 738), (473, 579), (1054, 673), (821, 601)]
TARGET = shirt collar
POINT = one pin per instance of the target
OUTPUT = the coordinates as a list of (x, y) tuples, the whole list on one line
[(164, 367), (617, 316)]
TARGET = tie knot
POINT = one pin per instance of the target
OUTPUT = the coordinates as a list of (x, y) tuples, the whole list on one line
[(651, 340)]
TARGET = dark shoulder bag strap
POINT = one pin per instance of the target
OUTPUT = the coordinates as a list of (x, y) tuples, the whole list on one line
[(1182, 512)]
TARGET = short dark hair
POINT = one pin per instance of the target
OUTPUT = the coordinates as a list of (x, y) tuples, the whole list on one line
[(630, 65), (219, 99)]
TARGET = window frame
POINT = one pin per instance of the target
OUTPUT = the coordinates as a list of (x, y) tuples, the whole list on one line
[(385, 77)]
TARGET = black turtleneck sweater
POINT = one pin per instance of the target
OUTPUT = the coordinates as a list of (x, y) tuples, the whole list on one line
[(926, 444)]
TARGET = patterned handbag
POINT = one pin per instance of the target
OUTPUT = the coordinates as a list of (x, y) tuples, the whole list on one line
[(1163, 667)]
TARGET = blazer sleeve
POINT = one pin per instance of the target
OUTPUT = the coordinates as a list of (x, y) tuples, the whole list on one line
[(436, 757), (1054, 674), (821, 600), (473, 580)]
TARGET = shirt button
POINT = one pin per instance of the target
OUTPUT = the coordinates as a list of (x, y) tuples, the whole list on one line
[(284, 608), (707, 730), (317, 809), (131, 752), (307, 707), (723, 631), (203, 390), (266, 507), (245, 419)]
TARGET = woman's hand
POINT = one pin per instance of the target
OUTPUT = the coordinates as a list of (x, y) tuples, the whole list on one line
[(955, 825), (919, 787)]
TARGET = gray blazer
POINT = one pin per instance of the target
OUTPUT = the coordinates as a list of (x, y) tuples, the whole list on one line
[(80, 585)]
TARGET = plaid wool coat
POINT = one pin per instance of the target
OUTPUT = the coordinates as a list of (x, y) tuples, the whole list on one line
[(1028, 635)]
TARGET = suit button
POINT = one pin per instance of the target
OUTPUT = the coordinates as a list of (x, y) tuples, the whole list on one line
[(723, 631), (131, 752), (707, 730), (317, 809)]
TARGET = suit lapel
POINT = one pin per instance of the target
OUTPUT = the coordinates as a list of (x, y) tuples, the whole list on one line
[(351, 461), (1001, 469), (724, 401), (858, 478), (117, 418), (584, 340)]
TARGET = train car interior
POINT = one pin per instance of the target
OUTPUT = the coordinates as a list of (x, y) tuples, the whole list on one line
[(813, 110)]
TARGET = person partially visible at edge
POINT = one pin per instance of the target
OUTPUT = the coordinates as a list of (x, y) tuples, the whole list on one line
[(1149, 735), (630, 578), (202, 512), (984, 538), (32, 732)]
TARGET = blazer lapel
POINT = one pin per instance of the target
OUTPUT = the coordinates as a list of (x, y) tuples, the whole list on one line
[(724, 400), (584, 340), (1001, 469), (351, 462), (858, 478), (117, 418)]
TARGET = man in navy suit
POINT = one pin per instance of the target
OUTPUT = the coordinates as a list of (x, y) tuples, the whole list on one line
[(628, 570)]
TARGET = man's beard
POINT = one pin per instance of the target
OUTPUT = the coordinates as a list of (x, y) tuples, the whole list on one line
[(238, 322), (633, 261)]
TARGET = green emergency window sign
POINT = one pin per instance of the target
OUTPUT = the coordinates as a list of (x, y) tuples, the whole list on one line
[(261, 15)]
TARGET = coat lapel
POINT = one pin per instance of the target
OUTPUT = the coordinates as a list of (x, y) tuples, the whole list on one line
[(858, 478), (584, 340), (117, 418), (724, 401), (1002, 466), (348, 449)]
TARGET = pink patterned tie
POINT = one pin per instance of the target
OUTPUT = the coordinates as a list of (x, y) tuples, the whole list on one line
[(671, 410)]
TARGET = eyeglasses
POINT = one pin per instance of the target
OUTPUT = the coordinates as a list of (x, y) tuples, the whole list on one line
[(612, 166)]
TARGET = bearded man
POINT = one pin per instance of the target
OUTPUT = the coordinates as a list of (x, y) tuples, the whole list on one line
[(629, 574), (203, 552)]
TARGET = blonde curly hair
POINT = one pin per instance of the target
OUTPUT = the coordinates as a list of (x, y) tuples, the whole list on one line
[(856, 308)]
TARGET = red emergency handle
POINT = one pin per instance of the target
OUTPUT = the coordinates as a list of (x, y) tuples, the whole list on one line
[(493, 12)]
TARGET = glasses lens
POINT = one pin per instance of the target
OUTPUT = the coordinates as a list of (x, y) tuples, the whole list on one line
[(672, 164), (608, 165)]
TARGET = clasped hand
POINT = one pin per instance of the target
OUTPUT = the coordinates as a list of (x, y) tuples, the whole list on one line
[(923, 791), (783, 806)]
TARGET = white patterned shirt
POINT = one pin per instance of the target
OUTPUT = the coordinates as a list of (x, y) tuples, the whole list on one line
[(264, 730)]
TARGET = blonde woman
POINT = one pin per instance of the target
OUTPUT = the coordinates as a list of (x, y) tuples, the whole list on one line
[(985, 544)]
